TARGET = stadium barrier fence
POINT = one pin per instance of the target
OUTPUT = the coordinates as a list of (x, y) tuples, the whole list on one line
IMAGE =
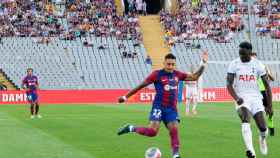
[(109, 96)]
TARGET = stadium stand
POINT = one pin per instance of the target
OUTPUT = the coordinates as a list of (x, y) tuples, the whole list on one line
[(119, 7), (188, 45), (96, 53), (94, 48), (71, 65), (154, 46)]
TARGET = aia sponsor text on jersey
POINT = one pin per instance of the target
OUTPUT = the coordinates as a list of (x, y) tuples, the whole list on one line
[(247, 78)]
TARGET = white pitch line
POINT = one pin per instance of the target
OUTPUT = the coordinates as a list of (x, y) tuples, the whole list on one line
[(55, 118), (49, 118), (4, 119)]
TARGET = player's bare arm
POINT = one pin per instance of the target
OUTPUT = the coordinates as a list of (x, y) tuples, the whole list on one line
[(195, 76), (132, 92), (270, 77), (268, 94), (269, 74), (230, 80)]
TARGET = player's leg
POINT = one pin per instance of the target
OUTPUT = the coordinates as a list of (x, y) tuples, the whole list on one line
[(37, 110), (195, 100), (32, 106), (171, 120), (260, 121), (32, 110), (149, 131), (174, 138), (34, 100), (246, 131), (37, 106), (188, 101), (270, 122)]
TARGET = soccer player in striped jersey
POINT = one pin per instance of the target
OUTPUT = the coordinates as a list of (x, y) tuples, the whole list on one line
[(31, 85), (165, 103)]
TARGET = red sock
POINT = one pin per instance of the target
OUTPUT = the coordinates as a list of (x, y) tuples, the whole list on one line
[(174, 140), (150, 132)]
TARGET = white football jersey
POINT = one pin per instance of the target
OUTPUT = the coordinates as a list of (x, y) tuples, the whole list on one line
[(246, 75)]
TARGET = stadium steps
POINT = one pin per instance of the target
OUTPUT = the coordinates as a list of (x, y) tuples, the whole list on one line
[(119, 7), (174, 5), (153, 38), (4, 79)]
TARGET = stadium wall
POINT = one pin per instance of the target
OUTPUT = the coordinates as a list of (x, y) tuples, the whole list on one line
[(109, 96)]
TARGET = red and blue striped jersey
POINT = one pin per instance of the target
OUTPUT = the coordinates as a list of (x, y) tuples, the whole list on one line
[(166, 86), (31, 83)]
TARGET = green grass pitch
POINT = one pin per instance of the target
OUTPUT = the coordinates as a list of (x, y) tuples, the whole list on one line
[(86, 131)]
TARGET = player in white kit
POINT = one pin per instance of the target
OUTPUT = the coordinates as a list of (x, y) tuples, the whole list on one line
[(242, 85), (191, 95)]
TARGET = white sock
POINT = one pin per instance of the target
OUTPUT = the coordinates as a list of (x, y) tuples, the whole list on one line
[(188, 102), (131, 128), (247, 137)]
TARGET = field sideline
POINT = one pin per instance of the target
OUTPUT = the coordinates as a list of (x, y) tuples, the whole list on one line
[(86, 131)]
